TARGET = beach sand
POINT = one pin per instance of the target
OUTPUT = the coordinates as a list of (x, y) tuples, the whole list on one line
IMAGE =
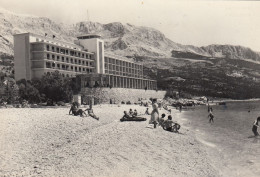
[(50, 142)]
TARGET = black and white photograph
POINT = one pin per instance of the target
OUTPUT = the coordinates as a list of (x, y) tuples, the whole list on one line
[(129, 88)]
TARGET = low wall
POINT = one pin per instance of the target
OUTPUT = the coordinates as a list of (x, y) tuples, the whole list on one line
[(104, 95)]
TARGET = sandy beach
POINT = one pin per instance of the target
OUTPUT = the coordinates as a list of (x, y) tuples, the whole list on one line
[(50, 142)]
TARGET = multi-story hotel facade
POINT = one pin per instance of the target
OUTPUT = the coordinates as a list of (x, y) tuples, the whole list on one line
[(36, 55)]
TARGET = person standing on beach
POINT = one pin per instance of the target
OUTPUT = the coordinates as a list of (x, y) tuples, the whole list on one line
[(255, 126), (211, 116), (154, 114)]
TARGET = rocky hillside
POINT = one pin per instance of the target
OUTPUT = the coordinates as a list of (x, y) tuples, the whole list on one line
[(125, 40)]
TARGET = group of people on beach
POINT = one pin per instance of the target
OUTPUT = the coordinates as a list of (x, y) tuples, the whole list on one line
[(76, 111), (132, 116), (168, 124)]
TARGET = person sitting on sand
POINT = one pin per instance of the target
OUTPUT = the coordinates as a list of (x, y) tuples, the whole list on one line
[(161, 119), (147, 111), (75, 111), (91, 112), (135, 113), (131, 112), (211, 116), (126, 115), (169, 125), (255, 126)]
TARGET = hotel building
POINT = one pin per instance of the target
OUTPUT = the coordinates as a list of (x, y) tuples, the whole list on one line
[(36, 55)]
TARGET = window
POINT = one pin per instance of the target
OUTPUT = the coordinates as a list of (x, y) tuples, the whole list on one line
[(83, 55), (71, 60), (83, 62), (79, 61), (83, 69), (53, 57), (58, 57), (48, 47), (67, 60), (48, 65), (62, 59), (52, 48), (79, 69), (48, 56), (53, 65), (71, 67)]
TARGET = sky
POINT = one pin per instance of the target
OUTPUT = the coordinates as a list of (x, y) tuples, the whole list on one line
[(191, 22)]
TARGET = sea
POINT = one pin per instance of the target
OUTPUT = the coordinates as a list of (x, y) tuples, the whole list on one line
[(229, 141)]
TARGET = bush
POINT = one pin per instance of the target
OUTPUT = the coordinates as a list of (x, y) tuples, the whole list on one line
[(122, 102), (128, 102)]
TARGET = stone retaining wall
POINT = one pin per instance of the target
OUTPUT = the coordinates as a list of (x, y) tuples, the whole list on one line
[(117, 95)]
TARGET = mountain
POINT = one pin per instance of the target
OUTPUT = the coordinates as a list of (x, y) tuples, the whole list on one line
[(214, 70), (125, 40)]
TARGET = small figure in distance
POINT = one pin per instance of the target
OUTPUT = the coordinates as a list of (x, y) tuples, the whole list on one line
[(131, 112), (135, 113), (211, 117), (147, 111), (75, 111), (255, 126)]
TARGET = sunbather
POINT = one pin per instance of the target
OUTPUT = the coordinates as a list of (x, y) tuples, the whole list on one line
[(91, 112), (128, 117), (135, 113), (131, 112), (75, 111)]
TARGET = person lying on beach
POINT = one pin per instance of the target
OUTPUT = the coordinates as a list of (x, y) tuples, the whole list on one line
[(91, 113), (211, 117), (147, 112), (171, 126), (255, 126), (161, 119), (128, 117), (75, 111)]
